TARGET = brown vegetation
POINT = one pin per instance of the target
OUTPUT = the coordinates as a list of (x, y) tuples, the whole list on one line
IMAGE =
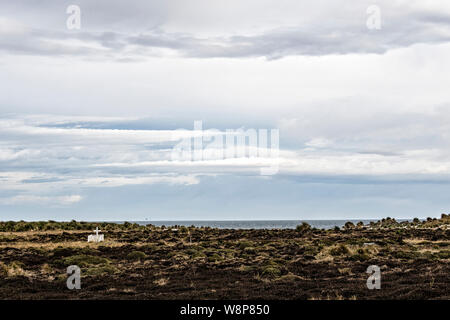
[(203, 263)]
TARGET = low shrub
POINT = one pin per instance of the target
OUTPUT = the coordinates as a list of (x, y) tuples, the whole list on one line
[(245, 244), (302, 228), (340, 250), (271, 271), (250, 250), (349, 225), (83, 260), (136, 255), (214, 258)]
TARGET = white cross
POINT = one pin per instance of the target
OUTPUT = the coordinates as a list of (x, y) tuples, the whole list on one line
[(96, 231)]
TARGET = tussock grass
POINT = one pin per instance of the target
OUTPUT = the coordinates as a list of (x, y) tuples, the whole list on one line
[(345, 251), (161, 282), (14, 269)]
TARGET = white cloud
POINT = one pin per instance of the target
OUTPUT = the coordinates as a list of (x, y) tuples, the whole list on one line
[(82, 158), (318, 143), (12, 27), (52, 201)]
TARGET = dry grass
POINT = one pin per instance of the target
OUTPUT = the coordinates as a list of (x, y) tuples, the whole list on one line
[(25, 233), (258, 277), (345, 271), (14, 269), (54, 245), (290, 277), (328, 254), (161, 282), (336, 296), (46, 269)]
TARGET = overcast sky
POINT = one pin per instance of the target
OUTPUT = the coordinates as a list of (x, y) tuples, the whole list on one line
[(89, 117)]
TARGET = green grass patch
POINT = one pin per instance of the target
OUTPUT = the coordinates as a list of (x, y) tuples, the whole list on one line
[(83, 260), (136, 255)]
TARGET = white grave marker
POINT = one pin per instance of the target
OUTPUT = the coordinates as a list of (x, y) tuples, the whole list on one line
[(96, 237)]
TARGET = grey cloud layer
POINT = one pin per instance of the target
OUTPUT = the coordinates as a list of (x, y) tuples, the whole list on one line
[(402, 26)]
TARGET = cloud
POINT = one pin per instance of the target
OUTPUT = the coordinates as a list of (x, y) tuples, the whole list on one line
[(56, 168), (52, 201), (273, 44), (72, 157), (353, 106), (337, 30), (10, 27), (318, 143)]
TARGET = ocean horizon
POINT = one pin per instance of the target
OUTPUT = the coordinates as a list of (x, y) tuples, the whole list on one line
[(254, 224)]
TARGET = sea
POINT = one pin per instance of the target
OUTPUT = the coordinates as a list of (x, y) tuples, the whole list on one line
[(254, 224)]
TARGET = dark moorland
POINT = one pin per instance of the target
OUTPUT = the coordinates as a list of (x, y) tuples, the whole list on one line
[(147, 262)]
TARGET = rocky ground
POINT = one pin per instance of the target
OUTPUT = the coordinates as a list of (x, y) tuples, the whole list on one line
[(204, 263)]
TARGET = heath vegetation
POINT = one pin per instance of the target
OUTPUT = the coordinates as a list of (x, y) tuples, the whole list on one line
[(176, 262)]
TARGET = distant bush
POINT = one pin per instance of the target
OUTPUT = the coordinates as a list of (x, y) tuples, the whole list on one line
[(136, 255), (349, 225), (302, 228)]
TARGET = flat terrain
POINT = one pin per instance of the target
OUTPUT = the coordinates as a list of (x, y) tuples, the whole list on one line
[(137, 262)]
